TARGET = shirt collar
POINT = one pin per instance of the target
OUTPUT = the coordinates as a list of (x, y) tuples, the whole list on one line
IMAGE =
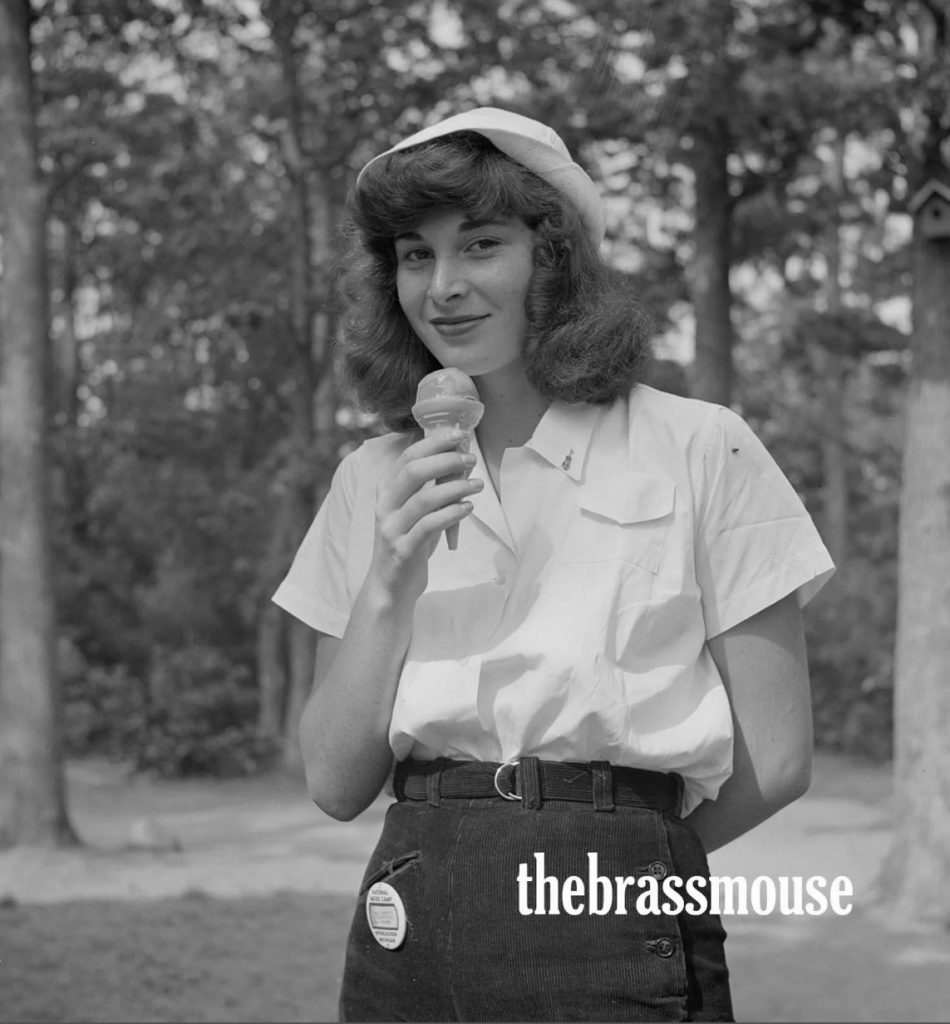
[(563, 435)]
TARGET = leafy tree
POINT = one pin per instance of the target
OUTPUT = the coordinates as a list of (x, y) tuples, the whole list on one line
[(174, 406)]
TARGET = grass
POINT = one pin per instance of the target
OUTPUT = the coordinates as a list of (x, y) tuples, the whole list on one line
[(837, 969), (189, 959), (278, 957)]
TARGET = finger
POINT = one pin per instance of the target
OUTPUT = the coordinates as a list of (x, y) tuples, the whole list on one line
[(415, 473), (429, 528), (438, 495), (432, 499), (441, 440), (404, 531)]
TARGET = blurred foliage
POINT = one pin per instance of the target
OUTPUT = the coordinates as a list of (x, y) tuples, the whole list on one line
[(201, 718), (165, 141), (196, 716)]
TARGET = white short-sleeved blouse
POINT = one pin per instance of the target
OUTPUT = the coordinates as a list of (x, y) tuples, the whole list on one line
[(571, 622)]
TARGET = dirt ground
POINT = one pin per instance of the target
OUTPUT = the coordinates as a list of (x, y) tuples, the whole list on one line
[(180, 843)]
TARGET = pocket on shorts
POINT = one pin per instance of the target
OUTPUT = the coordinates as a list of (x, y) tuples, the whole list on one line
[(389, 869)]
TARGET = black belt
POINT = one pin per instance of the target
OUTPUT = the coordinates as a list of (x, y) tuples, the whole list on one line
[(532, 781)]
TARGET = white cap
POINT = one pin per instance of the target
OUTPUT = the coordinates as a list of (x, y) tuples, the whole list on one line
[(530, 143)]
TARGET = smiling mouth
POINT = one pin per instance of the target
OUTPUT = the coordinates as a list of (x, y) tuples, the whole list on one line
[(455, 321), (456, 326)]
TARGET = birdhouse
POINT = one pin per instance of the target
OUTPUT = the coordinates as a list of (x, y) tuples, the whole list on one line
[(930, 207)]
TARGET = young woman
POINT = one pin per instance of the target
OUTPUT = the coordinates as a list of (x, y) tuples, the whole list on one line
[(607, 678)]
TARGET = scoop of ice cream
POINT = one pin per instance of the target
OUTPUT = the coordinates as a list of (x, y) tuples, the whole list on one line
[(445, 383), (447, 398)]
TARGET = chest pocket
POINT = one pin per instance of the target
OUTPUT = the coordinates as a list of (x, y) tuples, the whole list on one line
[(621, 520)]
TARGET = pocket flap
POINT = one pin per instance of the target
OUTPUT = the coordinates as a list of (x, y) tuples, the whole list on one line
[(631, 498)]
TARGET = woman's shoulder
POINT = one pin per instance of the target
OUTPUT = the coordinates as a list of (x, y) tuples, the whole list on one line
[(651, 411), (670, 434), (657, 402)]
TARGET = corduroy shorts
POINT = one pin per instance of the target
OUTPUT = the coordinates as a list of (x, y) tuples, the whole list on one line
[(480, 945)]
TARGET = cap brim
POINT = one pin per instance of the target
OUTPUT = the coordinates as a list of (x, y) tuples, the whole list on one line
[(547, 157)]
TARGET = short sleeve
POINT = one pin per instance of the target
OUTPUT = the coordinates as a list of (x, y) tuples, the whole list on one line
[(315, 589), (755, 541)]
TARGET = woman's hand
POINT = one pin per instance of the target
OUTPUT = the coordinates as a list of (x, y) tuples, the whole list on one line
[(412, 513), (344, 728)]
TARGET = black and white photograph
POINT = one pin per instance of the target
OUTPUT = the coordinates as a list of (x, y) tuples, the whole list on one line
[(474, 510)]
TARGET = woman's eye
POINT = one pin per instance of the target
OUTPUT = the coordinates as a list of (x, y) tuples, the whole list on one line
[(485, 244), (413, 255)]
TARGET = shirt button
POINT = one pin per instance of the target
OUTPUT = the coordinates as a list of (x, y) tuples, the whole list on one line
[(657, 869), (664, 948)]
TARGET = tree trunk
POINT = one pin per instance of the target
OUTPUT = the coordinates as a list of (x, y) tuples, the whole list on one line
[(32, 789), (916, 878), (301, 641), (710, 134), (834, 461), (708, 274), (271, 673), (66, 344), (322, 417), (292, 669), (832, 387)]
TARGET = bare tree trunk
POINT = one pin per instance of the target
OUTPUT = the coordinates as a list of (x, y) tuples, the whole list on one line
[(834, 460), (271, 669), (287, 677), (832, 387), (66, 345), (32, 790), (916, 878), (323, 406), (711, 376), (708, 274), (301, 640)]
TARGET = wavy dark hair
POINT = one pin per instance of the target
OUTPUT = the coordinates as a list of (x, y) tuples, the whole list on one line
[(588, 338)]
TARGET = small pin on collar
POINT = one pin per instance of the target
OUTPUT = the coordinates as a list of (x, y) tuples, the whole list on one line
[(566, 464)]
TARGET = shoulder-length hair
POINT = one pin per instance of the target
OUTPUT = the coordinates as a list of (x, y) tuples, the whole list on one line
[(588, 339)]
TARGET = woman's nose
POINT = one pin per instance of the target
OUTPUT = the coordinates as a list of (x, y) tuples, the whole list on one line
[(447, 281)]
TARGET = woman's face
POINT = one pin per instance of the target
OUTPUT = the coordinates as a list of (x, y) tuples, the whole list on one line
[(462, 286)]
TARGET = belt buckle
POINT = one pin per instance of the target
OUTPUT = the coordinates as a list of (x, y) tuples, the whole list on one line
[(511, 794)]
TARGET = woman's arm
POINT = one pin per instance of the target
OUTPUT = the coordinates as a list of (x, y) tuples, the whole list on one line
[(344, 728), (763, 665)]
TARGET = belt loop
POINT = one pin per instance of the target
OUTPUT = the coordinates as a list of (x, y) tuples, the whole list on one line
[(602, 785), (529, 783), (680, 793), (399, 780), (433, 783)]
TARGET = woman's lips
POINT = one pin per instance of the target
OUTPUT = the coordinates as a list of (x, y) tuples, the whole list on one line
[(454, 326)]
